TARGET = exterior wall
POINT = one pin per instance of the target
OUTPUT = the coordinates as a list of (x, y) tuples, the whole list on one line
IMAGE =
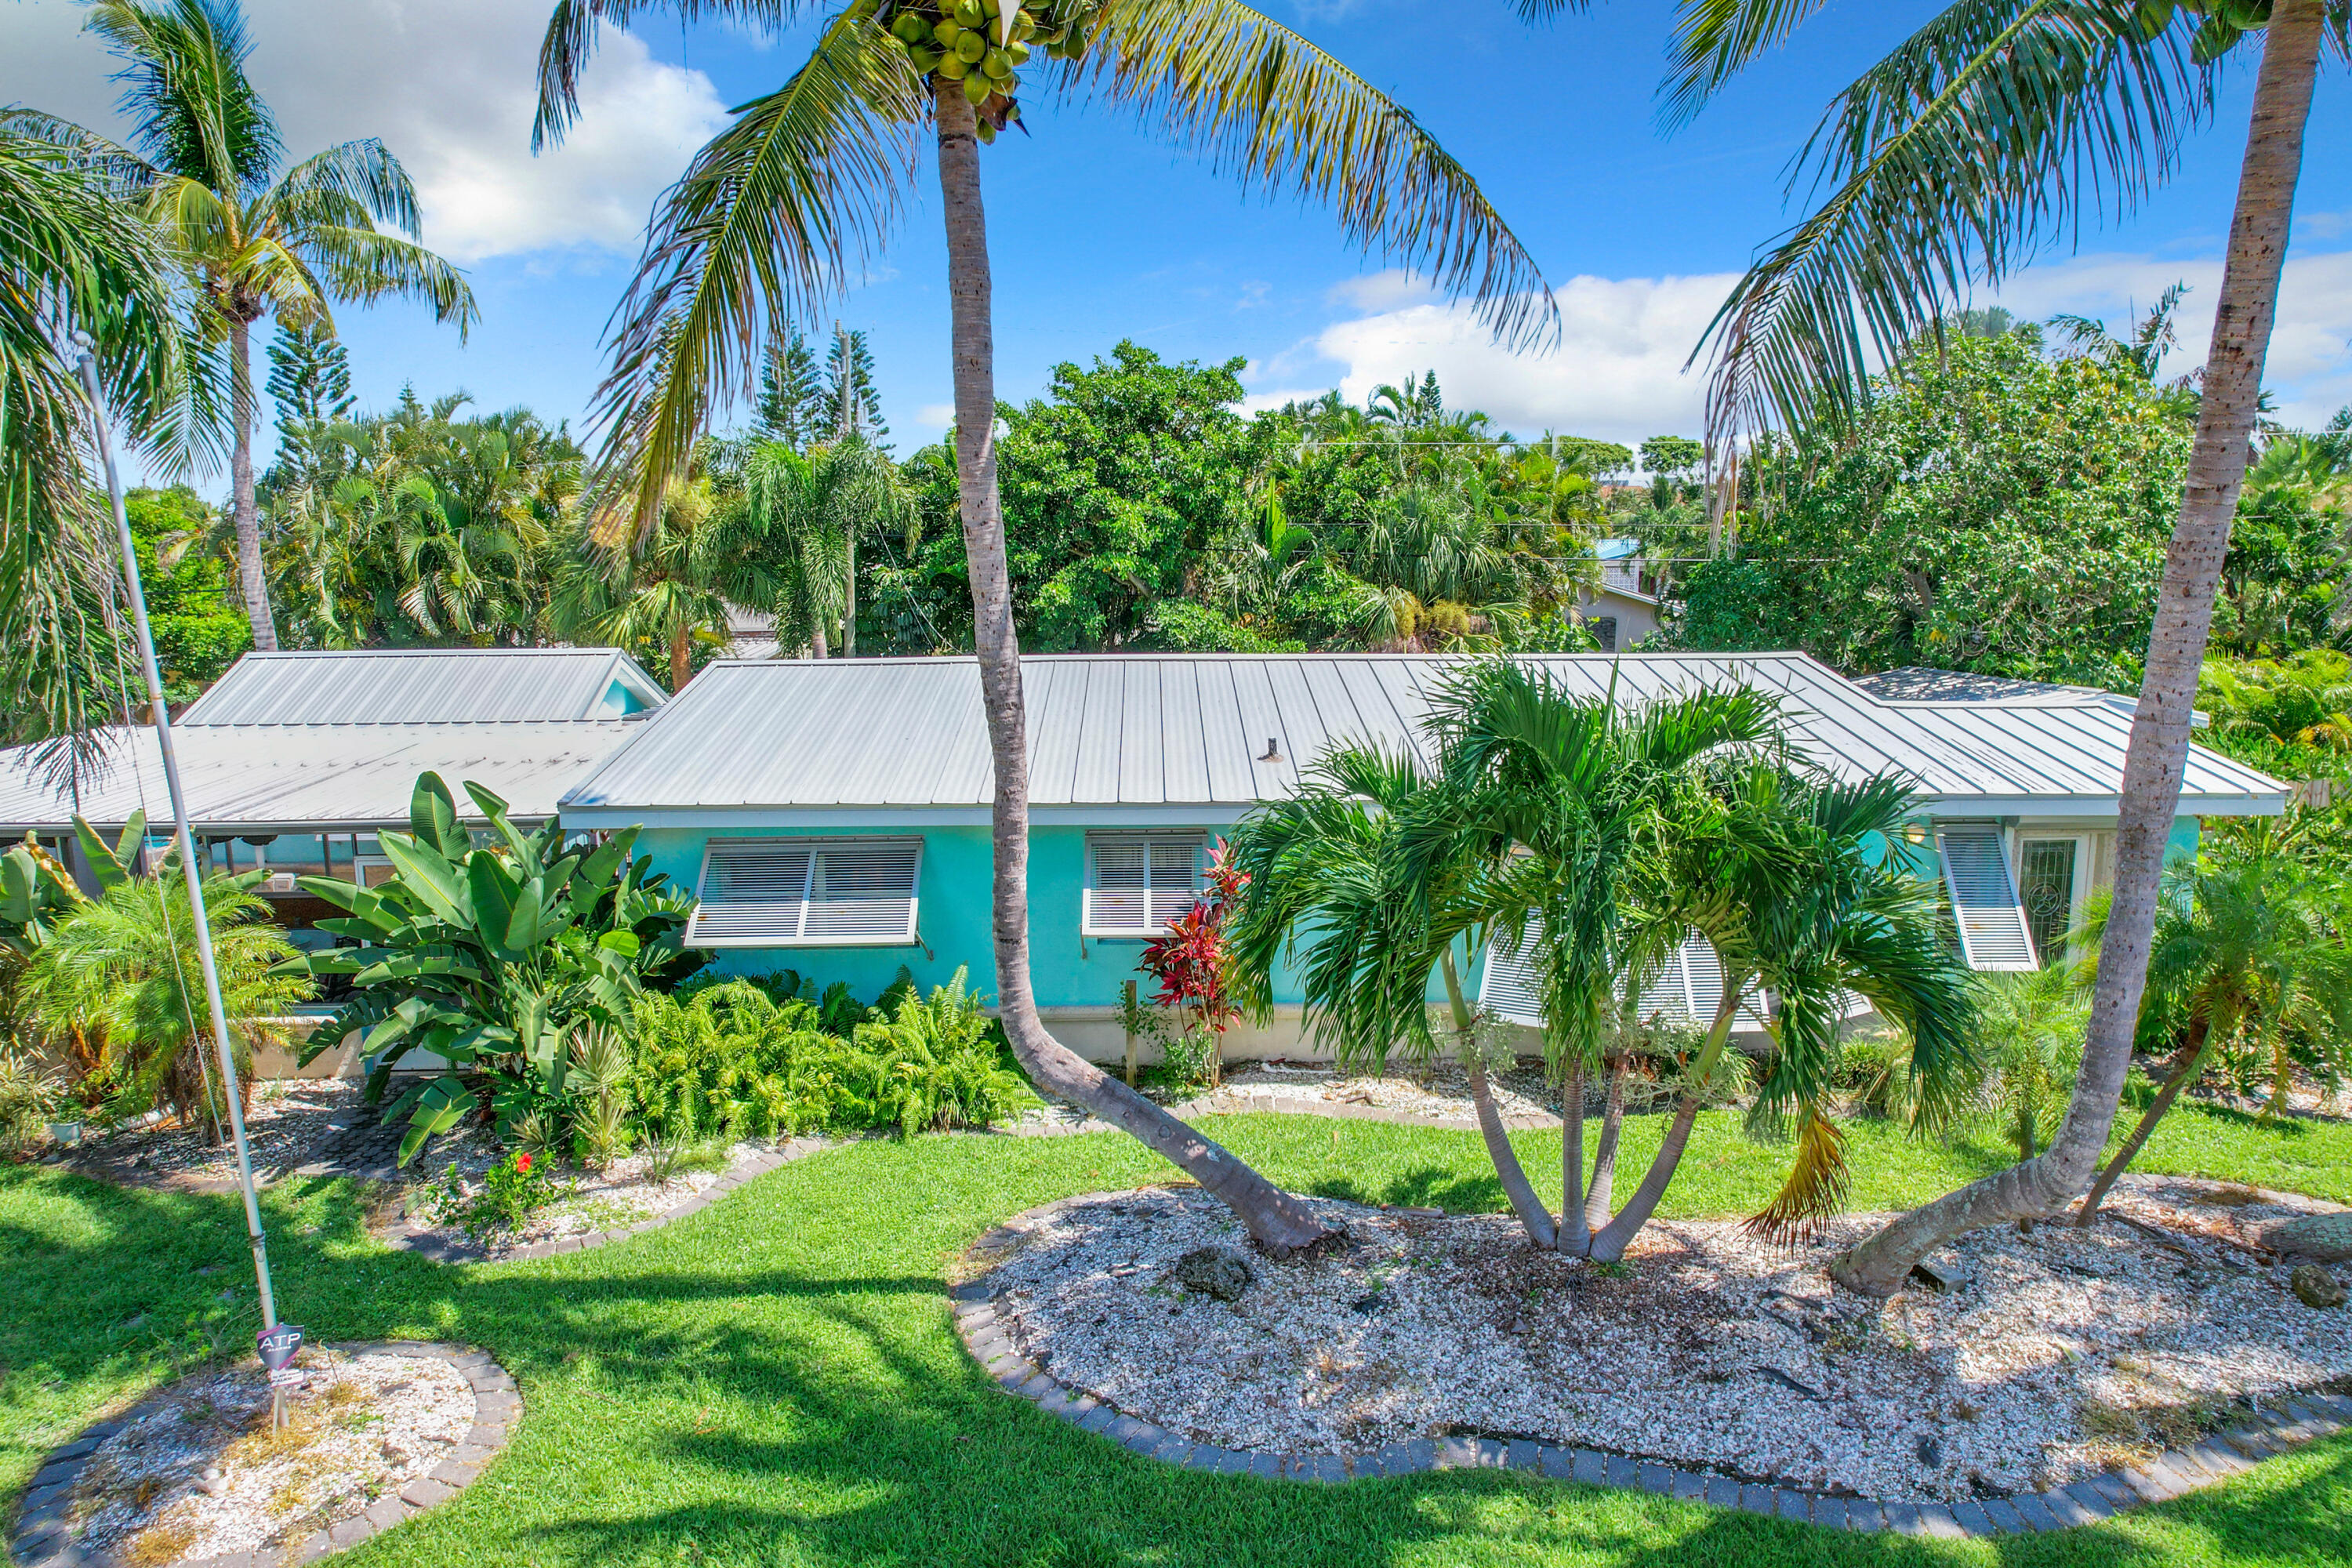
[(1636, 617), (1077, 979)]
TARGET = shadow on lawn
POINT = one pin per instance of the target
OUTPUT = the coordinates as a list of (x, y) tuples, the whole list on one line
[(699, 1414)]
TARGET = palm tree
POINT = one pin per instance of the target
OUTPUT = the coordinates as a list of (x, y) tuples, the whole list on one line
[(74, 257), (1997, 126), (119, 970), (816, 505), (778, 212), (673, 585), (260, 237), (2245, 960)]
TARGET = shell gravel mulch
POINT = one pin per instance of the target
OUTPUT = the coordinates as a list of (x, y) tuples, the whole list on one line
[(204, 1473), (2064, 1352), (585, 1202)]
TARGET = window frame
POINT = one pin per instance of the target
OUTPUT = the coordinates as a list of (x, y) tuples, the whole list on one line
[(815, 847), (1089, 928)]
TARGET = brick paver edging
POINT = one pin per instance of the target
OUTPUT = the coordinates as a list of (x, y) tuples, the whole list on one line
[(2285, 1423), (41, 1540), (445, 1249)]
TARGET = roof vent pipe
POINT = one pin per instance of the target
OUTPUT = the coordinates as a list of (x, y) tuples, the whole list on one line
[(1273, 752)]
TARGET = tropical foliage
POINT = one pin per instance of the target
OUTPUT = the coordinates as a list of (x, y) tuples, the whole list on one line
[(490, 957)]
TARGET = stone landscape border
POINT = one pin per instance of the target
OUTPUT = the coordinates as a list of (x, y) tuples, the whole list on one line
[(41, 1538), (2287, 1422), (444, 1248)]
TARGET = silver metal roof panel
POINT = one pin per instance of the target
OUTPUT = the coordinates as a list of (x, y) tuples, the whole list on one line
[(423, 686), (1174, 730)]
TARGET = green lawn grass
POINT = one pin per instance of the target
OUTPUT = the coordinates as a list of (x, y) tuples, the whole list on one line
[(774, 1382)]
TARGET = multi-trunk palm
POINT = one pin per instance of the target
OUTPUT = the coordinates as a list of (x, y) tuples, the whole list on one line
[(1995, 129), (789, 203)]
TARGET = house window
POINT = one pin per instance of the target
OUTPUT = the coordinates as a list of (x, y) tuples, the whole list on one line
[(1985, 908), (1138, 882), (806, 892), (2045, 876)]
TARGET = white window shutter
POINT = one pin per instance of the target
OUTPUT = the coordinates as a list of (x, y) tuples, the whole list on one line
[(1137, 883), (1509, 987), (1985, 907), (789, 892)]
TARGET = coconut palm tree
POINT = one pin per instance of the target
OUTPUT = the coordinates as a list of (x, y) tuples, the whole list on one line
[(74, 257), (779, 211), (814, 506), (2247, 959), (1996, 127), (261, 239)]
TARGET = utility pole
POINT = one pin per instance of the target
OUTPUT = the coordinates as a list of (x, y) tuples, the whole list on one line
[(189, 865)]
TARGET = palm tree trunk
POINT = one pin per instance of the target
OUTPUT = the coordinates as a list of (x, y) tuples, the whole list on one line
[(2176, 648), (849, 599), (242, 506), (2191, 1057), (1280, 1222), (681, 660), (1575, 1213), (1604, 1152), (1491, 1130), (1609, 1243)]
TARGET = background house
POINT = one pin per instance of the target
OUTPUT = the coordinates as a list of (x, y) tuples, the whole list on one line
[(1624, 609), (834, 814)]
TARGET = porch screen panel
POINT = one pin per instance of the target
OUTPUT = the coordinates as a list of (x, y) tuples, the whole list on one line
[(1985, 907), (785, 892), (1137, 883)]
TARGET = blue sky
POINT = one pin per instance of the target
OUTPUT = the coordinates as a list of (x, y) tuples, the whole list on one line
[(1100, 233)]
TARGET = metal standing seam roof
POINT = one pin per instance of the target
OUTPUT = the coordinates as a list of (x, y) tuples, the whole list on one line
[(1143, 729), (292, 778), (420, 686)]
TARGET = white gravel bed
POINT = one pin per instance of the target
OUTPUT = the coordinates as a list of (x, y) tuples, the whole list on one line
[(206, 1475), (287, 1118), (1441, 1091), (623, 1193), (2064, 1351)]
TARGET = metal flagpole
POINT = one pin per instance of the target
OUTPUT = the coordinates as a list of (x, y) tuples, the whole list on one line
[(88, 366)]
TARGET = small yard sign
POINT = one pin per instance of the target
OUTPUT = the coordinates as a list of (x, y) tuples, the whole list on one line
[(278, 1346)]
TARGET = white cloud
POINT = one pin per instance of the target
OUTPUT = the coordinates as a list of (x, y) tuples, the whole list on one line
[(449, 85), (935, 415), (2310, 364), (1617, 373)]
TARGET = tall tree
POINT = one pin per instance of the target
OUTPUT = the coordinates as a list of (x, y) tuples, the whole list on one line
[(310, 376), (772, 216), (261, 238), (792, 406), (2000, 125)]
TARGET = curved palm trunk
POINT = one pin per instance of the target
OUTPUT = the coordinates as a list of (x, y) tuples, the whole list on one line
[(1609, 1243), (2183, 1074), (1604, 1151), (244, 508), (1575, 1213), (2176, 648), (1280, 1222), (1497, 1139)]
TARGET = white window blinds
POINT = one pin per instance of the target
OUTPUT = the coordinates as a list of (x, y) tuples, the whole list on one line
[(1137, 883), (807, 892), (1686, 989), (1985, 908), (1508, 988)]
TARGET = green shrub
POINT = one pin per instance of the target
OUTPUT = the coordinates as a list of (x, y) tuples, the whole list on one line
[(743, 1058), (30, 1097)]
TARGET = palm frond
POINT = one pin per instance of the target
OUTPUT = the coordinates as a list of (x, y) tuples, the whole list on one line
[(363, 174), (1818, 1185), (1259, 102), (184, 87), (1998, 127), (773, 217), (1714, 40), (571, 39)]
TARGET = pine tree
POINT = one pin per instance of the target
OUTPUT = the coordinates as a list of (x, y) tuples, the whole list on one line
[(310, 376), (793, 407), (855, 404)]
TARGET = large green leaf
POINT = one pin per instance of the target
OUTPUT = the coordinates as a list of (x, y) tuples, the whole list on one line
[(104, 866), (432, 818), (523, 925), (493, 894), (430, 876)]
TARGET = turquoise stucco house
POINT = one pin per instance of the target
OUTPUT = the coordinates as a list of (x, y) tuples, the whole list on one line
[(833, 816)]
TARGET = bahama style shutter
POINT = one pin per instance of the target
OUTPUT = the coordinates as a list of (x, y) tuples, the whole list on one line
[(1137, 883), (1985, 906), (1509, 987), (807, 892)]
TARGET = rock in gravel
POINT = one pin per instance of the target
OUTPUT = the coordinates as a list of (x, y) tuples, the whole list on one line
[(2323, 1237), (2316, 1287), (1220, 1271), (1943, 1273)]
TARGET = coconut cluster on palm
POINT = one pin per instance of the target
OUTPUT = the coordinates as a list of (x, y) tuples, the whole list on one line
[(981, 44)]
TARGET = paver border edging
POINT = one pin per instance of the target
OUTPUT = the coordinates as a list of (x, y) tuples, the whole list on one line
[(40, 1539), (2287, 1423), (442, 1248)]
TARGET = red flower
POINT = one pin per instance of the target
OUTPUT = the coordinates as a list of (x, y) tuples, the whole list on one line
[(522, 1165)]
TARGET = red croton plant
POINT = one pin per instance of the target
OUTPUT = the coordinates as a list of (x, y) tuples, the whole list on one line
[(1191, 963)]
